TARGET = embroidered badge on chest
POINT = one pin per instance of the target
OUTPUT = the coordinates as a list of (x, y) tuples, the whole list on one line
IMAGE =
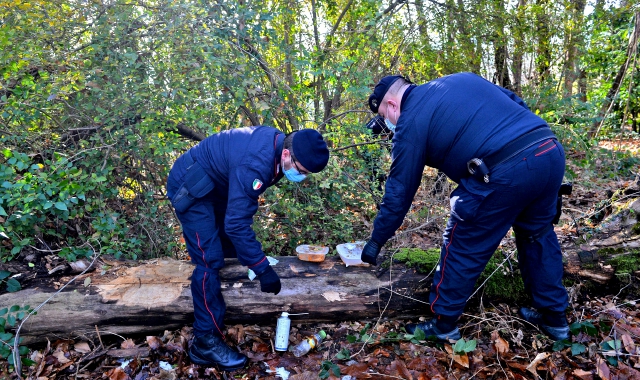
[(257, 184)]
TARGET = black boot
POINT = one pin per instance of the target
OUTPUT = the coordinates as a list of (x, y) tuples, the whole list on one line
[(209, 350), (430, 329), (554, 332)]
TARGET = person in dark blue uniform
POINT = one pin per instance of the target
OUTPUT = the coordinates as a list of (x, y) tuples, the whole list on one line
[(509, 167), (214, 189)]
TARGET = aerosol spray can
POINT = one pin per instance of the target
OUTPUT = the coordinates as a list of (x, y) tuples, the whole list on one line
[(282, 332)]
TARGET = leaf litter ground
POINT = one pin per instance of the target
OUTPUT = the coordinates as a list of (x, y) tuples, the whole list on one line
[(606, 343)]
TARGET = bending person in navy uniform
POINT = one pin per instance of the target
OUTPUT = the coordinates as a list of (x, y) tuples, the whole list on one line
[(214, 188), (508, 165)]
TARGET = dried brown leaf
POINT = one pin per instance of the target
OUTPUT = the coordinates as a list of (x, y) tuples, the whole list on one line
[(154, 342), (82, 347), (516, 365), (584, 375), (627, 372), (561, 375), (307, 375), (128, 343), (117, 374), (502, 346), (381, 352), (628, 344), (603, 369), (532, 367), (356, 370), (422, 363), (463, 360), (624, 328), (400, 368), (260, 347)]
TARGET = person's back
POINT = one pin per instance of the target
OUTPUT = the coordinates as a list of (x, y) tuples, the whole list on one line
[(236, 150), (459, 117)]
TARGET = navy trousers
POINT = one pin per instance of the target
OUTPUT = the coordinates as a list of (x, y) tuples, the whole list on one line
[(208, 245), (522, 193)]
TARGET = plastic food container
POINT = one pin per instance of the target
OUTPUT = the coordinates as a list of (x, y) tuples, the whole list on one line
[(350, 253), (314, 253)]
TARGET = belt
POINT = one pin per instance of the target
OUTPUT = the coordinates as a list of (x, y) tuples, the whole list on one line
[(481, 167)]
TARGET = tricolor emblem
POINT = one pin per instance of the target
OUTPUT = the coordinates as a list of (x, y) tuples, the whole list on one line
[(257, 184)]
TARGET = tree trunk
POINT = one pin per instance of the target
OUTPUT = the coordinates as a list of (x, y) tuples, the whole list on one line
[(574, 41), (519, 48), (617, 82), (154, 297), (543, 32)]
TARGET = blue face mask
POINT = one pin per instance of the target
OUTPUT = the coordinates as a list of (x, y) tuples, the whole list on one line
[(294, 176), (390, 125)]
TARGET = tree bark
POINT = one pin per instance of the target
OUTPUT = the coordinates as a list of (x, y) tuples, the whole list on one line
[(617, 81), (518, 51), (573, 42), (154, 297), (543, 34)]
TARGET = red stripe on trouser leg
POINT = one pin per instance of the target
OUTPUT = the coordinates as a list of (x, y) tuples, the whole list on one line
[(204, 288), (443, 264)]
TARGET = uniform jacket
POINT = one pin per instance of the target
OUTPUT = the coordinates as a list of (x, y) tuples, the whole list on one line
[(243, 163), (443, 124)]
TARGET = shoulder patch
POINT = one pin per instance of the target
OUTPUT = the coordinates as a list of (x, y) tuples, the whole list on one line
[(257, 184)]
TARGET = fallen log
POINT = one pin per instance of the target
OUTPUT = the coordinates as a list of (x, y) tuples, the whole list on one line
[(153, 297)]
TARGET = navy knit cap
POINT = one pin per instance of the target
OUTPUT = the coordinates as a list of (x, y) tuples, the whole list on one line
[(310, 149), (380, 90)]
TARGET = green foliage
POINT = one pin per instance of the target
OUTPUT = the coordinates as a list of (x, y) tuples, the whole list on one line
[(11, 284), (9, 317), (504, 282), (586, 327), (362, 336), (324, 210), (74, 207), (328, 368), (626, 264), (344, 354), (611, 348), (417, 258), (417, 336), (88, 127), (462, 346)]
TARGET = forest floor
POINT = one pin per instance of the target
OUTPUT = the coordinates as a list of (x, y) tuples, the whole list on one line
[(605, 343)]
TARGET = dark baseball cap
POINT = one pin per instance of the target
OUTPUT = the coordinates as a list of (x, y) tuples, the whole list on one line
[(381, 89)]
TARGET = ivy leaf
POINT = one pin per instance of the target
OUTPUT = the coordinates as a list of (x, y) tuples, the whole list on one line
[(13, 285), (4, 274), (577, 349), (559, 345), (470, 345), (342, 355), (61, 206), (419, 334), (458, 348)]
